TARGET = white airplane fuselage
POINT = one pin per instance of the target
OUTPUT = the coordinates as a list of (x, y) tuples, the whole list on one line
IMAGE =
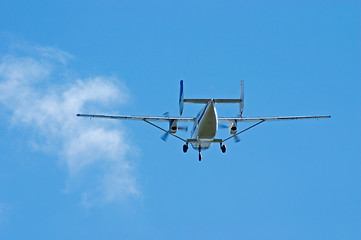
[(205, 127)]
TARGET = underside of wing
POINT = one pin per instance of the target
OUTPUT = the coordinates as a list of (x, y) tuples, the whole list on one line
[(238, 119), (142, 118)]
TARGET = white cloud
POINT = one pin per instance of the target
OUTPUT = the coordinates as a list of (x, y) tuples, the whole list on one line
[(51, 53), (33, 89)]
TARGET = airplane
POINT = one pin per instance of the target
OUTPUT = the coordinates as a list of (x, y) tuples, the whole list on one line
[(205, 124)]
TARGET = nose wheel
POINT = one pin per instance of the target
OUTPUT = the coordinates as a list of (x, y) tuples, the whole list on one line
[(199, 156)]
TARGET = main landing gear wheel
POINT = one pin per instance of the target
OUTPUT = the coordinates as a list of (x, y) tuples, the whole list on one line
[(223, 148), (200, 156), (185, 148)]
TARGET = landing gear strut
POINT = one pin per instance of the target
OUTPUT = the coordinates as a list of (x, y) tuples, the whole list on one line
[(185, 148), (223, 148)]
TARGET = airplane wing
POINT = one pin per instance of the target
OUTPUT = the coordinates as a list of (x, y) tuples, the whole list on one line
[(142, 118), (260, 120), (255, 119), (147, 120)]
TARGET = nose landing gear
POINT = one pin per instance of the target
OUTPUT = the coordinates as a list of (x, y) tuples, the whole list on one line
[(185, 149)]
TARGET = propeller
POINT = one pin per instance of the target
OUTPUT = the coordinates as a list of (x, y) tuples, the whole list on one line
[(171, 123), (165, 137), (236, 138)]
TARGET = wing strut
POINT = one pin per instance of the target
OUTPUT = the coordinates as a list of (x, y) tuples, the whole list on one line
[(164, 130), (243, 130)]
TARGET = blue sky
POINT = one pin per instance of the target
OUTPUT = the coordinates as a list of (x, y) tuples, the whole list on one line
[(63, 177)]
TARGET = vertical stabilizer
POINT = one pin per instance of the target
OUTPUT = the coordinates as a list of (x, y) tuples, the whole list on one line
[(181, 98), (241, 104)]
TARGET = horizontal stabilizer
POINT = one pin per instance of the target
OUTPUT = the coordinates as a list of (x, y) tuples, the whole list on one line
[(194, 140), (197, 100)]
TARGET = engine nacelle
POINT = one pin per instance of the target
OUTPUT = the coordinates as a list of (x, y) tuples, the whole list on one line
[(173, 127), (232, 127)]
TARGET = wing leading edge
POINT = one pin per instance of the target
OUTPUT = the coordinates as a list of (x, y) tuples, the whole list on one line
[(141, 118), (238, 119), (190, 119)]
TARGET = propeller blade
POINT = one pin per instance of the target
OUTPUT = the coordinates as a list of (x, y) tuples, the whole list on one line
[(166, 114), (222, 126), (183, 128), (237, 139), (165, 137)]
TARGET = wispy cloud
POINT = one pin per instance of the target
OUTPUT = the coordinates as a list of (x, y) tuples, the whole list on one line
[(41, 96)]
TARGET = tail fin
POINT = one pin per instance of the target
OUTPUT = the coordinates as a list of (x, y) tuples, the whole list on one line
[(241, 104), (181, 98)]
